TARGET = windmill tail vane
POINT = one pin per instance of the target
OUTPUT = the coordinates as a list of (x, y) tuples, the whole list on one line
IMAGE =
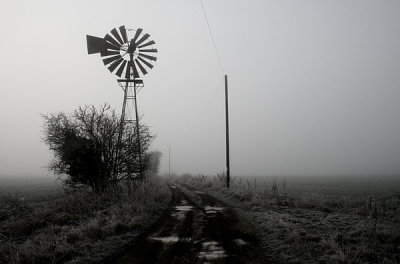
[(129, 54)]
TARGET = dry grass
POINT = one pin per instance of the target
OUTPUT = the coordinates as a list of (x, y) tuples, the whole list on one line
[(79, 226), (313, 226)]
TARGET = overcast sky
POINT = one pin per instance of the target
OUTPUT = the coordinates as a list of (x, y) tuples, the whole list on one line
[(314, 85)]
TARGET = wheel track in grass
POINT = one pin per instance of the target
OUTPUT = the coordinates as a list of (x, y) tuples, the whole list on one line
[(200, 230)]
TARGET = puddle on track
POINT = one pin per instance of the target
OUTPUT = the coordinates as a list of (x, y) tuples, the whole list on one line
[(183, 208), (171, 239), (213, 209), (211, 251), (240, 242), (180, 211)]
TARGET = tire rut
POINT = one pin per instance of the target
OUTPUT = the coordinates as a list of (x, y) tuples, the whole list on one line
[(189, 233)]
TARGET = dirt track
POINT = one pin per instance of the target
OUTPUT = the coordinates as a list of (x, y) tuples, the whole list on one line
[(194, 232)]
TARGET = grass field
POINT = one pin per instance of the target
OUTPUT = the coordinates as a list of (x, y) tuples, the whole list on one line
[(30, 187), (296, 219), (42, 223), (316, 219)]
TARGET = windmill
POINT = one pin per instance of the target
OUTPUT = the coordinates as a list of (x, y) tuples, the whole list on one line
[(128, 54)]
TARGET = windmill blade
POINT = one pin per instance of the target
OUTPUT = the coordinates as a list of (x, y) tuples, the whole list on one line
[(147, 44), (143, 70), (114, 32), (145, 62), (146, 36), (128, 72), (123, 33), (135, 72), (121, 68), (115, 64), (111, 46), (148, 50), (111, 59), (112, 41), (147, 57), (138, 31), (109, 53), (132, 46)]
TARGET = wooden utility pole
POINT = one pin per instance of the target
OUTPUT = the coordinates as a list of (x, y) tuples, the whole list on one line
[(228, 175)]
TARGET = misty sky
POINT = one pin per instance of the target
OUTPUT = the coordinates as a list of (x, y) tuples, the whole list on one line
[(314, 85)]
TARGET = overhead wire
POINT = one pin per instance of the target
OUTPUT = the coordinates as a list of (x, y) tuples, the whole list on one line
[(202, 112), (212, 38)]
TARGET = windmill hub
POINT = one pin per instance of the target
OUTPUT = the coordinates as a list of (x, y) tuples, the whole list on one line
[(132, 46), (126, 51)]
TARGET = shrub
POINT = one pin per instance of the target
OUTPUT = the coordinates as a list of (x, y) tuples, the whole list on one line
[(88, 148)]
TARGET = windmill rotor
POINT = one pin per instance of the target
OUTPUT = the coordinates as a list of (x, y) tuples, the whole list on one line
[(131, 56), (124, 55)]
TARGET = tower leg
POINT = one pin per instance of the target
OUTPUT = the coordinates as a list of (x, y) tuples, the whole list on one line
[(138, 134), (120, 132)]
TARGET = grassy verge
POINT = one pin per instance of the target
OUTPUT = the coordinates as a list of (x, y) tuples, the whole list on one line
[(78, 227), (312, 227)]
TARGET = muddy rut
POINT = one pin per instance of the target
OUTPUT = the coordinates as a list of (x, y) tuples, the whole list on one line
[(194, 232)]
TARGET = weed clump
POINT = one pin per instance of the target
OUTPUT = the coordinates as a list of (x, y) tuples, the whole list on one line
[(77, 224)]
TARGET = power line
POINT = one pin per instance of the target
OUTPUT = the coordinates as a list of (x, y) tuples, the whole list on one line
[(205, 106), (217, 88), (212, 38)]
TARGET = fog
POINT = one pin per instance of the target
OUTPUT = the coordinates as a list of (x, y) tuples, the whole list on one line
[(314, 86)]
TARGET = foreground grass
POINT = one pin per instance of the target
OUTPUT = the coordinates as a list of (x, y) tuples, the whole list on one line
[(312, 227), (79, 226)]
